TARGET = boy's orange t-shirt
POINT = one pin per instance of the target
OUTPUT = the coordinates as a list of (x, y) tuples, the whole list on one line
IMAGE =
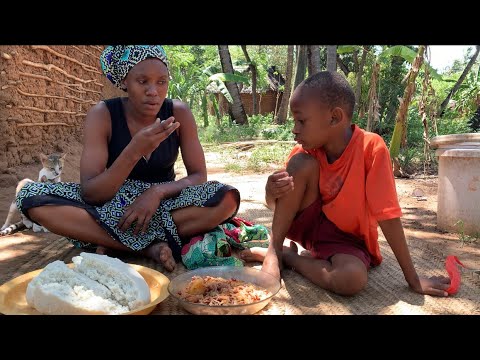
[(358, 189)]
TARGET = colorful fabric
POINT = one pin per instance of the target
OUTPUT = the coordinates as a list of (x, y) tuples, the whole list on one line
[(358, 189), (118, 60), (215, 247), (161, 226)]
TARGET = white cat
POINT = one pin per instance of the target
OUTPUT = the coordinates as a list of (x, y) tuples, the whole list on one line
[(51, 172)]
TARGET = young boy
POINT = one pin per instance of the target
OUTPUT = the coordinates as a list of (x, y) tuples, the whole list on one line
[(338, 185)]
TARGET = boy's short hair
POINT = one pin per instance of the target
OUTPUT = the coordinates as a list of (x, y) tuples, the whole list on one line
[(332, 89)]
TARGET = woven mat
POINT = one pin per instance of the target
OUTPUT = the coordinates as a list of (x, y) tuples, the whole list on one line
[(386, 292)]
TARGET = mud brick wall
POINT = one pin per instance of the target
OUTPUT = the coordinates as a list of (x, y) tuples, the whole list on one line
[(45, 93)]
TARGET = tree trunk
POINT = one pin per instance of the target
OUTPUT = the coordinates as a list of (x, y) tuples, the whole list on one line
[(401, 119), (358, 86), (342, 66), (313, 59), (301, 65), (332, 58), (355, 61), (205, 109), (253, 69), (282, 112), (423, 109), (237, 107), (373, 98), (459, 82)]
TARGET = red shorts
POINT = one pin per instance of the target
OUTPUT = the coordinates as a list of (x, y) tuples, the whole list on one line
[(322, 238)]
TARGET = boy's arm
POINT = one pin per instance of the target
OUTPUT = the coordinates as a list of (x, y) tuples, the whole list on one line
[(393, 231), (285, 210), (286, 207)]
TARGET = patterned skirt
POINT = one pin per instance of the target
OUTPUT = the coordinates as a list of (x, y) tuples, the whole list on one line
[(161, 226)]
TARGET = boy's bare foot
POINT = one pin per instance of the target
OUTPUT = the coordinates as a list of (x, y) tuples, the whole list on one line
[(162, 254), (253, 254), (100, 250), (258, 253), (289, 252), (292, 247)]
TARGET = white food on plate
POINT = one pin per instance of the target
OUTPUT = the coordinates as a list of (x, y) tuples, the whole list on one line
[(97, 284)]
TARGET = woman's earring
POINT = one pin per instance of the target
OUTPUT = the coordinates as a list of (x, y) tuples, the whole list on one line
[(123, 87)]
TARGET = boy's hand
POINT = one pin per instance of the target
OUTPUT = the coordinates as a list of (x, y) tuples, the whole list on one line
[(279, 184), (435, 285)]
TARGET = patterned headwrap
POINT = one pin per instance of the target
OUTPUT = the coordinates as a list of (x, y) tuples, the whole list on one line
[(118, 60)]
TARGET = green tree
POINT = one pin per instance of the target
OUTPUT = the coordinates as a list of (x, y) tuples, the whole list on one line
[(238, 110)]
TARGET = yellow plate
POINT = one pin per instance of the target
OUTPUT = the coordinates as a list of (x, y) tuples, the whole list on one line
[(13, 301)]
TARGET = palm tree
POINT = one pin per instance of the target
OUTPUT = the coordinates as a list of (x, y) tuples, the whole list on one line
[(301, 65), (313, 59), (238, 110), (373, 98), (332, 58), (282, 112), (253, 68), (358, 86)]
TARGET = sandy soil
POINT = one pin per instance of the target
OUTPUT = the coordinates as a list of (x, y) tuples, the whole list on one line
[(419, 217)]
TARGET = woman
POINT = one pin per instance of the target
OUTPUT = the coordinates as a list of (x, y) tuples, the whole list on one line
[(128, 198)]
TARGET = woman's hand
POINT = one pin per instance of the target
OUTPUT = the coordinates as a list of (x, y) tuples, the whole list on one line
[(435, 285), (141, 211), (149, 138)]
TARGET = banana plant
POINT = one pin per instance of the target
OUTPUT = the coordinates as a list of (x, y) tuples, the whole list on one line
[(409, 55), (220, 78), (398, 50), (210, 75), (400, 129)]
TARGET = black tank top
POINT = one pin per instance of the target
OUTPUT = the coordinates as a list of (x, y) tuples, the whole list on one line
[(160, 166)]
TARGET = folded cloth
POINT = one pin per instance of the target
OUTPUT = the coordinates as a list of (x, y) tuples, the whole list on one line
[(215, 247)]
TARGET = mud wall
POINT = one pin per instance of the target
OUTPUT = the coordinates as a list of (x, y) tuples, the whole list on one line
[(45, 93)]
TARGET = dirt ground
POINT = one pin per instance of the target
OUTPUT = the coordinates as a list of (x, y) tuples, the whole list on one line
[(419, 217)]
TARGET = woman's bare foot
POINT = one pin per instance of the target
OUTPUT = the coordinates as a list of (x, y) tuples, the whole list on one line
[(100, 250), (258, 253), (162, 254), (253, 254)]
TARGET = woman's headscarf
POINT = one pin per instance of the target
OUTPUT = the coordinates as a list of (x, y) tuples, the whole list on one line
[(118, 60)]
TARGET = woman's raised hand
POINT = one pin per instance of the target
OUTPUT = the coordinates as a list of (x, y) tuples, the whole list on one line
[(147, 139)]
